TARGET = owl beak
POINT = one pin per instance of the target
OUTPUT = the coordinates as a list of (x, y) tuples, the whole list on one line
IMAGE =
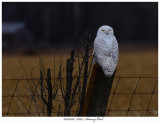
[(107, 33)]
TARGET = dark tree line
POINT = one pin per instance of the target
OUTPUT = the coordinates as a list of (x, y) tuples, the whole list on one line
[(49, 21)]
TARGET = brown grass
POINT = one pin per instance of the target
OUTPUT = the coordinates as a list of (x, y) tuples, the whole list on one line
[(139, 63)]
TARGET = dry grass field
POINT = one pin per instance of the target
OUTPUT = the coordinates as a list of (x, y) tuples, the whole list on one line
[(131, 64)]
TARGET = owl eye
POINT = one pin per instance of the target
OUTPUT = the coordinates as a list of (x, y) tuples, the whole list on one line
[(103, 30), (109, 29)]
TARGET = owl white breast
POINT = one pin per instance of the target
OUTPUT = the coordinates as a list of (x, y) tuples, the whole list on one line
[(105, 52)]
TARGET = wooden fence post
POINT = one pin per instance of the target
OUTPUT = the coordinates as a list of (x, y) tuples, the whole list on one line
[(49, 85), (48, 102), (98, 92), (69, 78)]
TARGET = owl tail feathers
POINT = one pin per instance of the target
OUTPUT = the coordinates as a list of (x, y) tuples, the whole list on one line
[(109, 70), (108, 73)]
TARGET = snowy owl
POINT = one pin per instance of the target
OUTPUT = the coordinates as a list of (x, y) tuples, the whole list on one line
[(105, 52)]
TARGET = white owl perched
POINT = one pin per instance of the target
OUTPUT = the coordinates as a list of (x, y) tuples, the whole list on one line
[(105, 52)]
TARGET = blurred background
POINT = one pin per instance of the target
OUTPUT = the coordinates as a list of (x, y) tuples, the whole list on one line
[(33, 29), (29, 26)]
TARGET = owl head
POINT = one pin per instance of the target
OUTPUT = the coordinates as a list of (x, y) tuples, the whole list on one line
[(105, 30)]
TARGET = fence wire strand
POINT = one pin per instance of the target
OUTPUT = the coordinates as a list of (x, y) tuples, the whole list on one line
[(147, 111)]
